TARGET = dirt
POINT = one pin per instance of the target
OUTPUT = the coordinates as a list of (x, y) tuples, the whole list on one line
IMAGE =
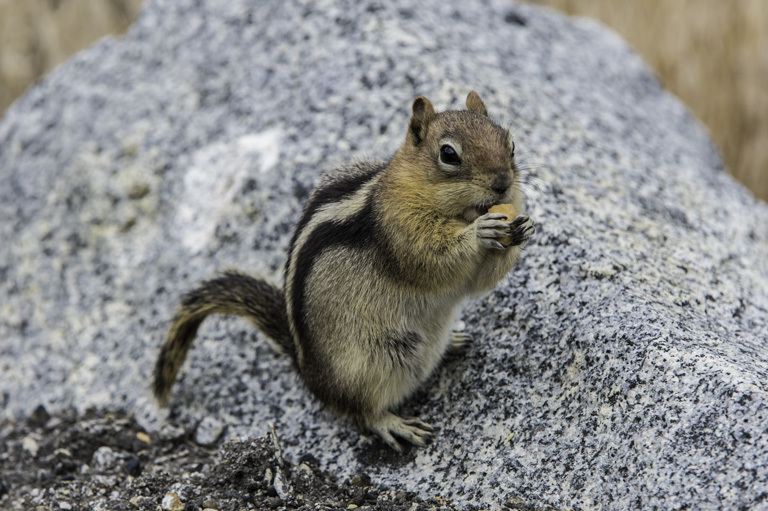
[(105, 461)]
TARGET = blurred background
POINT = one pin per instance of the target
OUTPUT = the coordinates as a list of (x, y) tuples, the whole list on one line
[(713, 54)]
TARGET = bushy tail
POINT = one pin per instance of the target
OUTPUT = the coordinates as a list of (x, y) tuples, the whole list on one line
[(231, 293)]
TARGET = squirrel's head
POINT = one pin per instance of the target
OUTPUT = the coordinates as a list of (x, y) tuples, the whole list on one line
[(459, 162)]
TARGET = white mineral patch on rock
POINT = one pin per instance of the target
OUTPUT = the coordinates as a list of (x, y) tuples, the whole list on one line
[(215, 176)]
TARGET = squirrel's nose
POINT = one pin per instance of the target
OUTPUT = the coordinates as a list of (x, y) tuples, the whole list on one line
[(501, 183)]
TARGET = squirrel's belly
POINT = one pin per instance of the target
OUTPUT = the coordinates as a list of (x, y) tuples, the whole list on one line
[(377, 339)]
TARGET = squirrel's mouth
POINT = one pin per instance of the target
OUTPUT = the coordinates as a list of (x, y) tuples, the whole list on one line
[(483, 208)]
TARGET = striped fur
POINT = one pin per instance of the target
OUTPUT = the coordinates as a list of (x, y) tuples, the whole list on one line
[(231, 293)]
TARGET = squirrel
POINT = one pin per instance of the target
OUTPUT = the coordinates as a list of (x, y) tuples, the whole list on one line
[(381, 259)]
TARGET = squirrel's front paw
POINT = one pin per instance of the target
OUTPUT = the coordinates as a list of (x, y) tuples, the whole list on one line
[(492, 228), (522, 228), (494, 232)]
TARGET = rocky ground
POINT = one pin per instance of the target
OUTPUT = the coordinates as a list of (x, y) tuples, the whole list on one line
[(105, 461)]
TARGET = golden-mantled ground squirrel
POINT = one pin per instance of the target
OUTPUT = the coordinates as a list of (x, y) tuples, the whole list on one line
[(383, 256)]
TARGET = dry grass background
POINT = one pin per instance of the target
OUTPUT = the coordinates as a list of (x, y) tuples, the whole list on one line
[(36, 35), (711, 53)]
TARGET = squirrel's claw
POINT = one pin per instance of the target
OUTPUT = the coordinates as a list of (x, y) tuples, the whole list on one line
[(460, 343), (410, 429), (523, 228), (490, 229)]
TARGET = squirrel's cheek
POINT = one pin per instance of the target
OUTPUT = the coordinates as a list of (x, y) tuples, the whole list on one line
[(471, 214)]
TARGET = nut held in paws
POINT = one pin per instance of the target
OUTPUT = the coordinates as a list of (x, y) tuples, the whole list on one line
[(507, 210)]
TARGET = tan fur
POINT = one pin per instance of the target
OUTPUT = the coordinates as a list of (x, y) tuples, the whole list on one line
[(424, 211)]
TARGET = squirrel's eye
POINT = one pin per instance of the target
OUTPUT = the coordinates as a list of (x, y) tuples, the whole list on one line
[(448, 155), (513, 149)]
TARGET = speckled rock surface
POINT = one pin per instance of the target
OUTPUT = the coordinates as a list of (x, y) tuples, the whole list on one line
[(621, 365)]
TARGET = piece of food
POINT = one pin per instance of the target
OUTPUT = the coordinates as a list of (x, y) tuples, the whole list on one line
[(507, 210)]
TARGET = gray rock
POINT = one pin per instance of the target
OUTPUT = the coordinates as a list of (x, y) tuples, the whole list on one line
[(621, 365), (30, 445), (105, 458), (209, 431), (172, 502)]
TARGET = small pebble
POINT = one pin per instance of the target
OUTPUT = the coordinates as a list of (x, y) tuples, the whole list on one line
[(104, 457), (361, 480), (40, 416), (172, 502), (282, 487), (30, 445), (141, 502), (132, 467), (209, 431)]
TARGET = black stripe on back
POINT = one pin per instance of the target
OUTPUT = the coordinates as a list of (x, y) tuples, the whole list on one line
[(332, 192), (361, 231), (358, 231)]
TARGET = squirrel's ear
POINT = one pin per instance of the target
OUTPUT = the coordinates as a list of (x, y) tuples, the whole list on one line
[(476, 104), (423, 113)]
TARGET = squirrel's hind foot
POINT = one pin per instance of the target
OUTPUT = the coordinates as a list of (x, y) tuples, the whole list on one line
[(460, 344), (389, 427)]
